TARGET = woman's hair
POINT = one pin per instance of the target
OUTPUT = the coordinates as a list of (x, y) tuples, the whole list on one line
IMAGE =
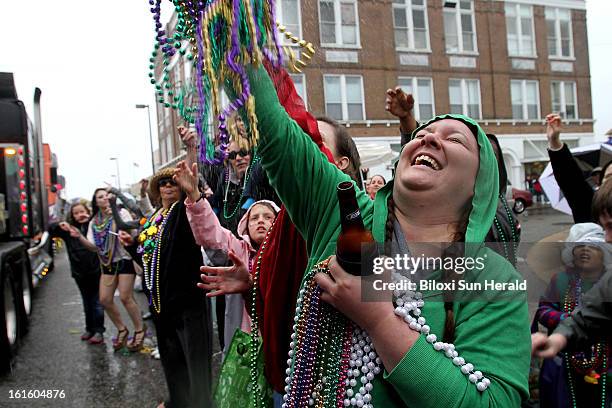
[(501, 165), (345, 146), (378, 175), (459, 236), (70, 218), (94, 204), (602, 201)]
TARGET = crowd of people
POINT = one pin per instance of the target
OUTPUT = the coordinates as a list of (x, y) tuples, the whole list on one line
[(258, 235)]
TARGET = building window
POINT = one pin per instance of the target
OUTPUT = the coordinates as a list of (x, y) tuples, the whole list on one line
[(519, 26), (300, 86), (459, 27), (169, 147), (422, 91), (559, 29), (564, 99), (164, 154), (464, 96), (338, 22), (344, 97), (525, 97), (288, 12), (410, 24)]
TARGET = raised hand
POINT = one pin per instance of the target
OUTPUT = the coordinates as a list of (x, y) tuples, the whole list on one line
[(144, 184), (224, 280), (188, 136), (125, 238), (399, 103), (74, 232), (65, 226), (187, 179), (553, 131)]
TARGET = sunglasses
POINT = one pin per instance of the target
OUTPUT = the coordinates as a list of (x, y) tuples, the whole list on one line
[(166, 182), (241, 152)]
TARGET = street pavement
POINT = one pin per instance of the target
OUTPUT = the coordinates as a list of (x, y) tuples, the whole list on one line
[(52, 356)]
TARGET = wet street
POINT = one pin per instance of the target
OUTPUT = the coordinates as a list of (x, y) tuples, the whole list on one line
[(52, 356)]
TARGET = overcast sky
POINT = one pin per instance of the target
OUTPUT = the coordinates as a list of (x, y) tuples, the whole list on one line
[(91, 61)]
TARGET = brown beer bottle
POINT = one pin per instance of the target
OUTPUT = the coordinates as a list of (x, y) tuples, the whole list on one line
[(355, 248)]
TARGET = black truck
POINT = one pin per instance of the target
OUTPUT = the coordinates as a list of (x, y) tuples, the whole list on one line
[(26, 250)]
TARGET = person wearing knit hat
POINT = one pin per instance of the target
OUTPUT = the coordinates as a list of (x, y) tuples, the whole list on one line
[(586, 256), (589, 235), (593, 318), (171, 262)]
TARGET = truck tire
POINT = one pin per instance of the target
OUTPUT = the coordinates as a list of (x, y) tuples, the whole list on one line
[(23, 278), (9, 318)]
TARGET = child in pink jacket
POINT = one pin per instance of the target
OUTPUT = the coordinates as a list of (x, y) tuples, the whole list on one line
[(209, 233)]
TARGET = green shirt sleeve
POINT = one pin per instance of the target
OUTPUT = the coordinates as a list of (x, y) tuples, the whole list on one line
[(300, 173), (494, 337)]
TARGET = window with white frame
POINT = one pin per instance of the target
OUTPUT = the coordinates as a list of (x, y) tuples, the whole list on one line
[(169, 147), (559, 32), (520, 30), (344, 97), (338, 22), (422, 91), (288, 12), (164, 154), (410, 24), (525, 97), (464, 96), (460, 27), (300, 86), (564, 99)]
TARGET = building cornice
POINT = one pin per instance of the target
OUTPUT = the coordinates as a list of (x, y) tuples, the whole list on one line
[(486, 122), (571, 4)]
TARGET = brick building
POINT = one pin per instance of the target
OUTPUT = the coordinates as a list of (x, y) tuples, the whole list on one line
[(505, 63)]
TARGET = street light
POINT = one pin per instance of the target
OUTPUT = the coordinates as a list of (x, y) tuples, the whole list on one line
[(142, 106), (118, 175)]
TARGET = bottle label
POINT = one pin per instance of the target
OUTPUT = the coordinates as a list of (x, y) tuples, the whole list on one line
[(353, 215)]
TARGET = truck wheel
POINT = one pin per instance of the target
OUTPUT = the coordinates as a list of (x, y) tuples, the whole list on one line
[(9, 319), (24, 292)]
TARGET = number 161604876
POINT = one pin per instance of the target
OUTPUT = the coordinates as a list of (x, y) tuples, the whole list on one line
[(36, 394)]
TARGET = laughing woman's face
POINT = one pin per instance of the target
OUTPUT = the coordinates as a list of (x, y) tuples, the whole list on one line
[(440, 164)]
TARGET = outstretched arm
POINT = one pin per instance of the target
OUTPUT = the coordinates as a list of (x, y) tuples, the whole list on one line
[(568, 175), (121, 224), (301, 175), (401, 105), (205, 225)]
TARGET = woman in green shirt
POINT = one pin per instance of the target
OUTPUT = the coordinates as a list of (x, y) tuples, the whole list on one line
[(445, 189)]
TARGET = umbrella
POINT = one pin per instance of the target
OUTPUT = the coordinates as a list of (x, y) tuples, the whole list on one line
[(591, 156), (553, 192), (587, 157)]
